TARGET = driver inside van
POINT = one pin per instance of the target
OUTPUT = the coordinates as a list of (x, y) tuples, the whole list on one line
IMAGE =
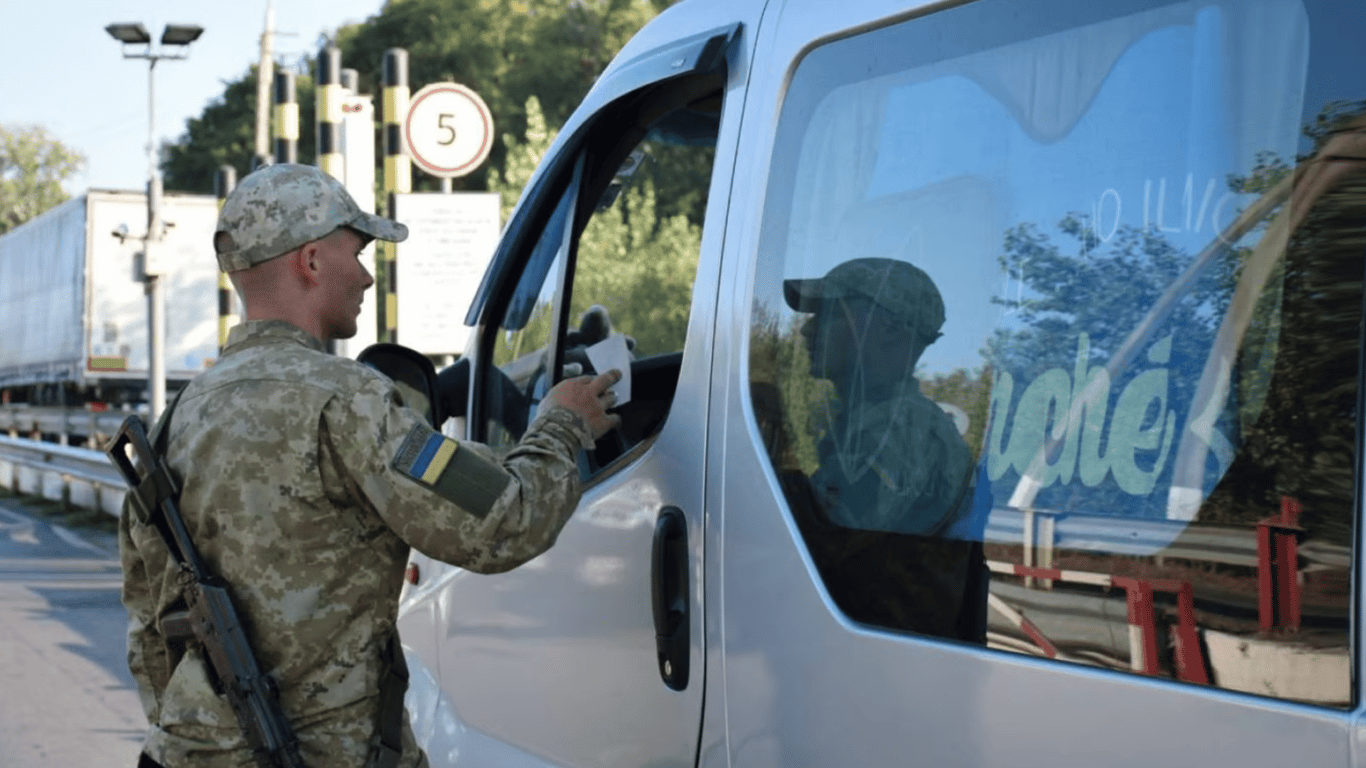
[(895, 490), (892, 460)]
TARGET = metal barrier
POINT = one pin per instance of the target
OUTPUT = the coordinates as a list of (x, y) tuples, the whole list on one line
[(31, 421), (1142, 618), (1043, 532), (1273, 548), (78, 477)]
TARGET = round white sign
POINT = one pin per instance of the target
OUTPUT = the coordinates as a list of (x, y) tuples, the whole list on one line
[(448, 131)]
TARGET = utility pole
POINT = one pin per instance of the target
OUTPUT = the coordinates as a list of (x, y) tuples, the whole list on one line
[(265, 75)]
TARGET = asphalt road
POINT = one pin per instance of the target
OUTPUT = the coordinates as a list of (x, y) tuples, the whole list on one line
[(66, 697)]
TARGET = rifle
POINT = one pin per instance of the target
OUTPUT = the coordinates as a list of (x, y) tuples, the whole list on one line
[(211, 618)]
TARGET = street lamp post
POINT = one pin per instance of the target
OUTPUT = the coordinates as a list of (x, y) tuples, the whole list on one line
[(137, 44)]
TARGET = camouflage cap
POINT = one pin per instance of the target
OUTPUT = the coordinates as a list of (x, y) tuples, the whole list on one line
[(280, 207), (901, 289)]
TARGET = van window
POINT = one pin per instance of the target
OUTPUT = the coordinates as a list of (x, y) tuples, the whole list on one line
[(1055, 341), (615, 260)]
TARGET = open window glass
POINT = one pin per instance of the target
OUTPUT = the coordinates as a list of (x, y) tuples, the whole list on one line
[(613, 267)]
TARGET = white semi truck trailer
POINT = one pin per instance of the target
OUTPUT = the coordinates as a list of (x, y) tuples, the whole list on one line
[(73, 310)]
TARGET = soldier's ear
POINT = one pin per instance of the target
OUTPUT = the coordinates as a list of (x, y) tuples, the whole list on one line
[(304, 263)]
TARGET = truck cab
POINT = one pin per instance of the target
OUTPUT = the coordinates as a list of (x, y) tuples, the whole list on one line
[(994, 397)]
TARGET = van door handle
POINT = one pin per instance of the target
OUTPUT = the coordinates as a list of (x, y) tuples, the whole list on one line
[(669, 593)]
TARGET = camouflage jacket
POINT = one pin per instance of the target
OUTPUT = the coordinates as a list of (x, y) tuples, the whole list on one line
[(897, 465), (304, 481)]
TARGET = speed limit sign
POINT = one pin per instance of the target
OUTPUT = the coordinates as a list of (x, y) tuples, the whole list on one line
[(448, 131)]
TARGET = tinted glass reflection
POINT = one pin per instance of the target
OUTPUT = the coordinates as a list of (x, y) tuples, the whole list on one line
[(1078, 303)]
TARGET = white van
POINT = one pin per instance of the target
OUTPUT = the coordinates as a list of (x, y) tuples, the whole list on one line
[(993, 399)]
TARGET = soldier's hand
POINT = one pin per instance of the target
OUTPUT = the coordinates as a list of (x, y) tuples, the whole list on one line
[(588, 396)]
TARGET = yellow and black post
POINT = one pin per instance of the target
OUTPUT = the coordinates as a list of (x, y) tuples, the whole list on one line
[(286, 114), (223, 183), (329, 111), (398, 179)]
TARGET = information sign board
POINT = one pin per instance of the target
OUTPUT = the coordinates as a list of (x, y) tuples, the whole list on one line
[(450, 242)]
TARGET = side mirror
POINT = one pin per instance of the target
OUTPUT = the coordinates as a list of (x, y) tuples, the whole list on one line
[(414, 375)]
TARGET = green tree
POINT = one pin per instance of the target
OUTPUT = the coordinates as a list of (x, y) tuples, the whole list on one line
[(1103, 290), (793, 408), (505, 50), (632, 258), (641, 266), (1081, 296), (522, 157), (33, 166)]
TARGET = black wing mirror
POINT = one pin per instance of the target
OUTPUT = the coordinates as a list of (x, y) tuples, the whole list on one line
[(413, 373)]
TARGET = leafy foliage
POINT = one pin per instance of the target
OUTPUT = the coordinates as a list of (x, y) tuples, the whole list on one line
[(632, 258), (522, 157), (1102, 292), (505, 50), (639, 265), (790, 404), (33, 165)]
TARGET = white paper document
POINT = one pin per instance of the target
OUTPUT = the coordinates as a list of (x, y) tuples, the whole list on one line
[(611, 353)]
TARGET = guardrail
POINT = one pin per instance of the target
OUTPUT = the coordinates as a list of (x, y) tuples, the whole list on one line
[(78, 477), (30, 420), (1043, 532)]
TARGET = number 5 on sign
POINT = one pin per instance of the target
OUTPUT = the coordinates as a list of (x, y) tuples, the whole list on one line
[(448, 131), (443, 122)]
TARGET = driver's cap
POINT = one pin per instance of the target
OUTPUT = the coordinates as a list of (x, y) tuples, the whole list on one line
[(902, 290)]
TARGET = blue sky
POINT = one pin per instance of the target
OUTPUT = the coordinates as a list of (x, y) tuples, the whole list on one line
[(62, 71)]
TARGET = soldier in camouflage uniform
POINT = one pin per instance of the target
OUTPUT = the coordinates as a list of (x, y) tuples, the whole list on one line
[(894, 528), (304, 481)]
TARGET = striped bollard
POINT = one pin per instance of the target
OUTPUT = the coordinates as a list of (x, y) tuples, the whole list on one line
[(398, 179), (329, 113), (286, 118), (223, 183)]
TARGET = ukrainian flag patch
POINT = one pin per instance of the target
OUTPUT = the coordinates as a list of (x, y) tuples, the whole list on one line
[(465, 477), (425, 454)]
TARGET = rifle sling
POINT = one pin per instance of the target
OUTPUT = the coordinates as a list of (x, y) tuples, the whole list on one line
[(158, 485)]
